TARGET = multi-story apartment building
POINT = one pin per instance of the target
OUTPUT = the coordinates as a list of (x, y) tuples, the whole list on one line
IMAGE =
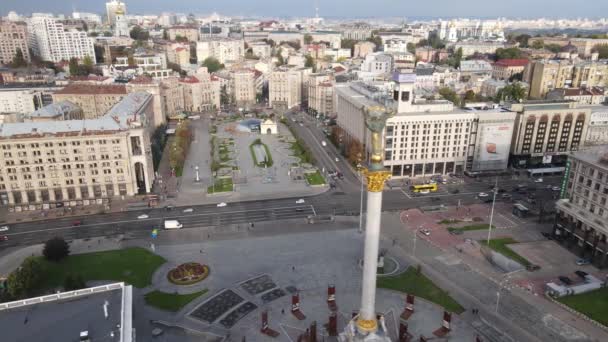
[(64, 110), (505, 68), (260, 49), (154, 65), (546, 131), (286, 87), (49, 40), (179, 54), (190, 33), (78, 162), (425, 137), (428, 54), (582, 211), (112, 7), (544, 76), (95, 100), (244, 86), (395, 45), (597, 132), (321, 94), (357, 31), (462, 29), (377, 63), (13, 37), (24, 100), (363, 49), (584, 46), (583, 96), (225, 50), (469, 48)]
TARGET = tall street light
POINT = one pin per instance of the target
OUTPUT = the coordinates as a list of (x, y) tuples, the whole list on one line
[(492, 211)]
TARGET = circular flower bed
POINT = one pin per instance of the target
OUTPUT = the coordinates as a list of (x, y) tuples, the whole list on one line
[(188, 273)]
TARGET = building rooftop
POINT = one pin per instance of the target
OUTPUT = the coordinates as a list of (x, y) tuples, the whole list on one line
[(64, 316), (88, 89), (598, 156), (61, 108), (121, 117), (512, 62)]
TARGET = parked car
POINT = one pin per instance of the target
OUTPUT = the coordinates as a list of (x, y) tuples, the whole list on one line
[(3, 228), (142, 217), (169, 207), (300, 201), (565, 280), (583, 262), (425, 231), (581, 274), (222, 204), (188, 210)]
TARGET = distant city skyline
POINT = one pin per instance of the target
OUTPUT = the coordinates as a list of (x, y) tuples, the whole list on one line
[(332, 8)]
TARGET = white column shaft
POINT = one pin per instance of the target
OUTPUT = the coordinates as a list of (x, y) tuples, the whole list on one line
[(370, 259)]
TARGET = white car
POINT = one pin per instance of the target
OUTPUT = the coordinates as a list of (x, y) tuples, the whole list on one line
[(142, 216), (556, 188), (337, 159), (425, 232), (538, 180), (323, 143), (300, 201), (188, 210), (220, 205), (482, 194), (3, 228)]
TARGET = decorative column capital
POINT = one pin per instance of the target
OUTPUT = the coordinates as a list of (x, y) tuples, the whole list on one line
[(375, 179)]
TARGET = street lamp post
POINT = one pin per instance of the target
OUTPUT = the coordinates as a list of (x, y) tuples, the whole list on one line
[(492, 211)]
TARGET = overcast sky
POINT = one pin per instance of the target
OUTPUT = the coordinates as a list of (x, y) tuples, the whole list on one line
[(332, 8)]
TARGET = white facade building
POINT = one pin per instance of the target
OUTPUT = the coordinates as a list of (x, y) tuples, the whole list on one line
[(462, 29), (226, 51), (121, 26), (51, 42)]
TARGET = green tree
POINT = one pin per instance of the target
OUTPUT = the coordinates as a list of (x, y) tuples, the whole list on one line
[(457, 58), (212, 64), (469, 96), (165, 34), (538, 44), (56, 249), (508, 53), (280, 59), (138, 33), (555, 48), (376, 40), (513, 92), (411, 48), (73, 282), (19, 61), (310, 62), (522, 39), (22, 282), (450, 95), (602, 50), (307, 38), (224, 96), (348, 43), (73, 66)]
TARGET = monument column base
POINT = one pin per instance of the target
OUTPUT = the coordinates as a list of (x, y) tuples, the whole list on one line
[(355, 331)]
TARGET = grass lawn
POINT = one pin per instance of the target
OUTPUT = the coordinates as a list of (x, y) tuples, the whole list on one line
[(481, 226), (221, 185), (501, 246), (418, 285), (300, 152), (449, 221), (132, 265), (314, 178), (171, 301), (593, 304)]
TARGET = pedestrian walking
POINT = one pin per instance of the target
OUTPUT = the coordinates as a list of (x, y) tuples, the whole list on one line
[(283, 311), (293, 268)]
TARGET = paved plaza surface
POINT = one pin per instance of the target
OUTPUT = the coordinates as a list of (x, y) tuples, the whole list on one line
[(251, 182), (258, 274)]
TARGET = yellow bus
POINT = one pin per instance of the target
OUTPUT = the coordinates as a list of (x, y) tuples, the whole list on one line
[(424, 188)]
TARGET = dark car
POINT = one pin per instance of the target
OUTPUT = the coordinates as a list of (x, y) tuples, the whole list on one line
[(500, 191), (581, 274), (168, 207), (547, 235), (565, 280), (76, 223), (3, 238), (532, 268)]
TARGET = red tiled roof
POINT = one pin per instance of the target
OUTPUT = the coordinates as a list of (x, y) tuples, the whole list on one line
[(512, 62), (91, 89), (143, 79), (189, 79), (339, 69)]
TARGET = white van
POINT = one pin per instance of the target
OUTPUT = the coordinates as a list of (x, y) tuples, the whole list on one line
[(173, 224), (323, 143)]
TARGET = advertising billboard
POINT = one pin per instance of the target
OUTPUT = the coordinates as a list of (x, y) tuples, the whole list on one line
[(495, 142)]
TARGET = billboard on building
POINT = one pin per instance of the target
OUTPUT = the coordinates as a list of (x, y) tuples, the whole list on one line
[(495, 142), (493, 147)]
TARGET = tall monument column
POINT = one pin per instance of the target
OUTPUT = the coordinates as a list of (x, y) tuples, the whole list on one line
[(365, 326)]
